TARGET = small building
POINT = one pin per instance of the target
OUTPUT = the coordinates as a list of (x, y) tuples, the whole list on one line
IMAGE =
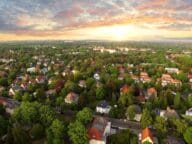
[(169, 113), (82, 83), (14, 89), (135, 78), (144, 78), (31, 70), (188, 112), (172, 70), (121, 69), (151, 92), (24, 85), (40, 79), (190, 77), (166, 79), (146, 136), (50, 92), (9, 104), (71, 98), (121, 76), (103, 107), (44, 70), (2, 89), (124, 89), (96, 76), (99, 130)]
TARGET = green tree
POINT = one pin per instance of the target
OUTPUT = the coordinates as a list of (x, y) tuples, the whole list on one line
[(160, 125), (57, 128), (189, 100), (181, 125), (146, 119), (130, 112), (26, 97), (89, 82), (3, 81), (55, 132), (19, 135), (18, 96), (77, 133), (177, 101), (188, 135), (27, 113), (2, 109), (47, 115), (147, 142), (37, 131), (100, 93), (85, 115), (3, 126)]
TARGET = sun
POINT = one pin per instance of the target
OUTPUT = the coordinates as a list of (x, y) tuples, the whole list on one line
[(119, 33)]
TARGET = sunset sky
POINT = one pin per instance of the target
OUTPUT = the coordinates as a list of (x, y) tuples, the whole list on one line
[(95, 19)]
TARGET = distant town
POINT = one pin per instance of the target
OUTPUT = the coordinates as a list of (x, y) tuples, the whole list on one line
[(95, 92)]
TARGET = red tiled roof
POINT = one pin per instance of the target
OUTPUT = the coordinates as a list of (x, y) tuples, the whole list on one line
[(151, 90), (124, 89), (71, 96), (2, 101), (141, 98), (97, 128), (146, 133), (94, 133)]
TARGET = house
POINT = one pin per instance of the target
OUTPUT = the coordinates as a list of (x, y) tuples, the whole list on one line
[(40, 79), (166, 79), (121, 76), (169, 113), (135, 78), (176, 82), (59, 85), (50, 92), (26, 77), (31, 70), (138, 112), (140, 95), (121, 69), (82, 83), (71, 98), (151, 92), (3, 74), (9, 104), (99, 130), (14, 89), (146, 136), (172, 70), (96, 76), (144, 78), (124, 89), (189, 112), (190, 77), (141, 99), (24, 86), (44, 70), (103, 107), (2, 89), (66, 71)]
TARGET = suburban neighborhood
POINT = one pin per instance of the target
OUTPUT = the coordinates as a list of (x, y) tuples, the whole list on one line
[(96, 93)]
